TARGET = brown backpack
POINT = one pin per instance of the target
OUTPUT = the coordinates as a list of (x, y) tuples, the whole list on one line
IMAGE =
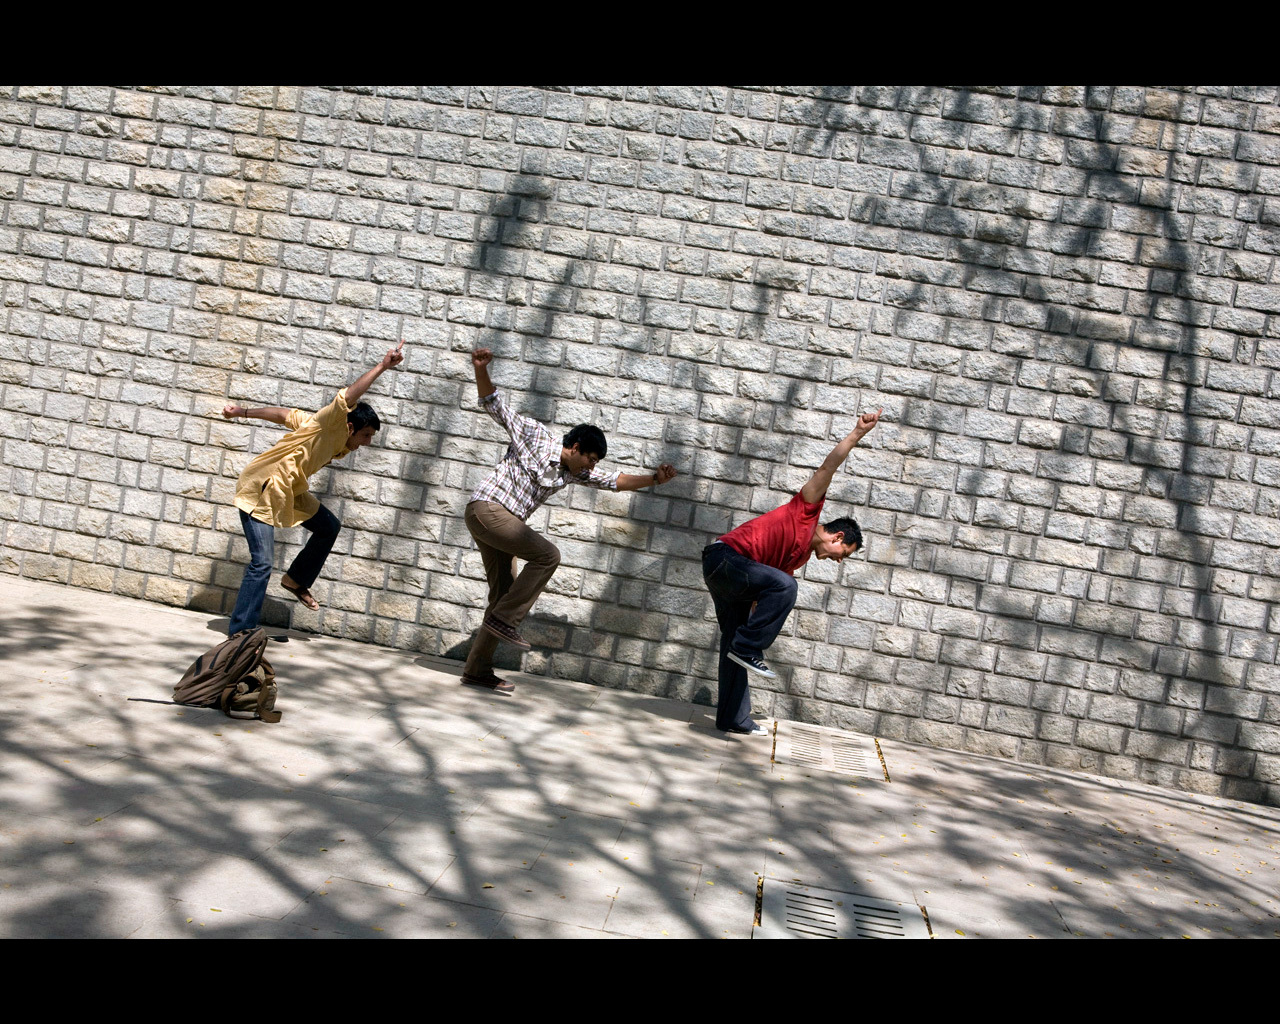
[(233, 676)]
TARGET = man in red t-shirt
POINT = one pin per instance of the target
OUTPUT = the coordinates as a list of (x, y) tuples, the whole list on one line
[(749, 573)]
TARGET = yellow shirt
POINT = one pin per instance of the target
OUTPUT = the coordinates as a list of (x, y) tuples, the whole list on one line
[(273, 487)]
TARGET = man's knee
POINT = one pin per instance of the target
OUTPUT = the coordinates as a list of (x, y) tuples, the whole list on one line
[(790, 590), (781, 583), (261, 557), (327, 524), (782, 589), (548, 557), (542, 555)]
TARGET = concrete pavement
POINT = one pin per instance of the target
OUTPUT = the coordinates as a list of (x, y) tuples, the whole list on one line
[(393, 802)]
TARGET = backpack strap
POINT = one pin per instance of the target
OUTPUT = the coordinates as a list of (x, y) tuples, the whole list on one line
[(263, 674), (266, 683), (266, 716), (224, 699)]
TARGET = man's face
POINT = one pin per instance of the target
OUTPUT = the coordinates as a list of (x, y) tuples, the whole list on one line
[(359, 438), (831, 545), (575, 460)]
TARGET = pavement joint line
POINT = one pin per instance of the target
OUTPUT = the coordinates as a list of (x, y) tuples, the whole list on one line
[(93, 853)]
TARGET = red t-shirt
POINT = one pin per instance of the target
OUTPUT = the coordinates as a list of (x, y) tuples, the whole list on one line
[(779, 538)]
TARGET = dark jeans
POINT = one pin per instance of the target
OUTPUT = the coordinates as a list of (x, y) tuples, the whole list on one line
[(735, 582), (324, 527)]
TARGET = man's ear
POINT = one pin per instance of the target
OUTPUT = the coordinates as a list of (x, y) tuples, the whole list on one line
[(350, 428)]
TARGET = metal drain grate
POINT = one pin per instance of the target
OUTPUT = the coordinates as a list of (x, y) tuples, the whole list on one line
[(830, 750), (789, 910)]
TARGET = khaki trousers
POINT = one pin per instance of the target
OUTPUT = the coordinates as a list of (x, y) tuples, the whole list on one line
[(501, 539)]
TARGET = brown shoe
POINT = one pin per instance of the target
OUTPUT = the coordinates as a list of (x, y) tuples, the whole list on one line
[(492, 624), (303, 594), (489, 682)]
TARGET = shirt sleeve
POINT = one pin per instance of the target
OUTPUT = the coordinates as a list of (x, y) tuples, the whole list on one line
[(531, 442), (599, 478), (493, 404), (295, 418), (804, 512), (332, 414), (809, 508)]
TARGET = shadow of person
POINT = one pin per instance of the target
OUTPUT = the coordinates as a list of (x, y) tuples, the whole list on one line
[(279, 634)]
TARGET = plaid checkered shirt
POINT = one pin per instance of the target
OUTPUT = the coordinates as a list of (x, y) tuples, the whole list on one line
[(530, 472)]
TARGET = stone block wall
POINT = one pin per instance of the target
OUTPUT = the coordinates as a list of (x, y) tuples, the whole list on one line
[(1064, 299)]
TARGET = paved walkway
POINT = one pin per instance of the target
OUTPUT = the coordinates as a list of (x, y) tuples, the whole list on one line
[(393, 802)]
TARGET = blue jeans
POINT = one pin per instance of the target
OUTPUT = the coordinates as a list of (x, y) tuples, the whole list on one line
[(735, 582), (323, 526)]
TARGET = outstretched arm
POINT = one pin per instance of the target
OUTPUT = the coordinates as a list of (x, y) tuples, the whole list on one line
[(480, 360), (355, 392), (815, 489), (272, 413), (636, 481)]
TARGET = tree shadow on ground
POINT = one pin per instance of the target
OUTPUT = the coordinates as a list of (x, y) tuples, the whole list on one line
[(391, 801)]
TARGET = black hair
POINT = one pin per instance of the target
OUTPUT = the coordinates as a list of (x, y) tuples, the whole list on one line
[(590, 440), (847, 526), (363, 416)]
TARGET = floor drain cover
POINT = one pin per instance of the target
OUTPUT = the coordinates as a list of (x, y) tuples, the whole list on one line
[(795, 911), (831, 750)]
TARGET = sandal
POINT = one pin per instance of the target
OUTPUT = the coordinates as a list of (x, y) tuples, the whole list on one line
[(303, 595), (489, 682)]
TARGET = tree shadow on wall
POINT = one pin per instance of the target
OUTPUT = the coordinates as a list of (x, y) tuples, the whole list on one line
[(502, 258), (1152, 428)]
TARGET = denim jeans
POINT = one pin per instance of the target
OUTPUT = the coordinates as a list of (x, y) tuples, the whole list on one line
[(323, 526), (735, 582)]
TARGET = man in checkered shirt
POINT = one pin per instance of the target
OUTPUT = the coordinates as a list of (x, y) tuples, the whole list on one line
[(535, 466)]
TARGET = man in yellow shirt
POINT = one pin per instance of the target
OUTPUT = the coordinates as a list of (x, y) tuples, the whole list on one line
[(272, 490)]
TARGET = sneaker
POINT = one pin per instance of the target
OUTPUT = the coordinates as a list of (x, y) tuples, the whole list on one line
[(756, 730), (755, 665), (493, 624)]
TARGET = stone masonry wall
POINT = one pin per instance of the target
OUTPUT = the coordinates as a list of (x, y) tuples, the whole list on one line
[(1064, 299)]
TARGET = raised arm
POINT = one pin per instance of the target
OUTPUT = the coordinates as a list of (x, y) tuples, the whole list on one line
[(815, 489), (638, 481), (480, 360), (271, 413), (355, 392)]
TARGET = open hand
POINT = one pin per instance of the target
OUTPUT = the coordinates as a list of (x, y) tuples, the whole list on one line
[(666, 472), (394, 356), (481, 357)]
